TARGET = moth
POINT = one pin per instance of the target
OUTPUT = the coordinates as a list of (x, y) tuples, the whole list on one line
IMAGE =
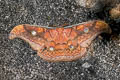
[(60, 43)]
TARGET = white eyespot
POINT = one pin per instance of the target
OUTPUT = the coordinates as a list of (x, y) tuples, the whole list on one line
[(71, 47), (51, 48), (34, 33), (86, 30)]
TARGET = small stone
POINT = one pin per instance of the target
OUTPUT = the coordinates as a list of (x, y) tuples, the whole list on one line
[(118, 44), (81, 2), (86, 65)]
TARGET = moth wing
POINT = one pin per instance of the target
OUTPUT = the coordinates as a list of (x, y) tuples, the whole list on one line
[(31, 34)]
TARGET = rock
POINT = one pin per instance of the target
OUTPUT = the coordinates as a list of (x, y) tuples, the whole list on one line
[(97, 5), (115, 12)]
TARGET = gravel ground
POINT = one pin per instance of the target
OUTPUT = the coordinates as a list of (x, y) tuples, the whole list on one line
[(19, 62)]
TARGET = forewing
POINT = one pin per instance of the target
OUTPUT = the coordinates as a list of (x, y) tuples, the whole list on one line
[(31, 34)]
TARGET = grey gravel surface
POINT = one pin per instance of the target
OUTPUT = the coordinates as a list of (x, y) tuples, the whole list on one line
[(19, 62)]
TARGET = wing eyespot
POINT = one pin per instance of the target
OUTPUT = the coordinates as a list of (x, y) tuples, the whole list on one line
[(86, 30), (71, 47), (34, 33), (51, 48)]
